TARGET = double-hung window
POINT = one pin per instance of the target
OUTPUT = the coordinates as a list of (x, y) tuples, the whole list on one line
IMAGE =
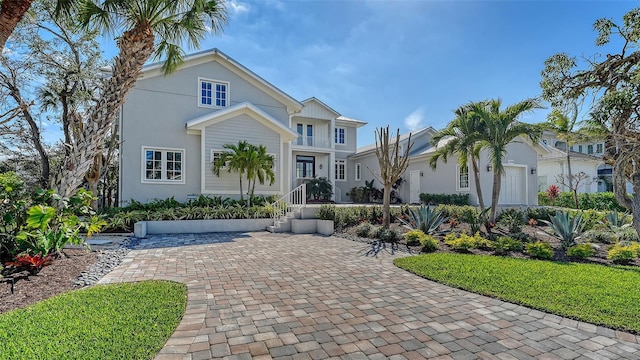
[(599, 148), (589, 149), (341, 170), (339, 135), (163, 165), (463, 177), (213, 93)]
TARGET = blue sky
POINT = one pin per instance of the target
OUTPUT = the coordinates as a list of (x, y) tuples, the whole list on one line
[(407, 63)]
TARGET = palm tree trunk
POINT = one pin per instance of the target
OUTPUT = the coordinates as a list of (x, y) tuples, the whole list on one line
[(241, 189), (476, 177), (570, 178), (386, 201), (136, 47), (11, 12), (497, 182)]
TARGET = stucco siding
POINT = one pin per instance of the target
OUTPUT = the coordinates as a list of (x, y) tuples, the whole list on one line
[(549, 170), (230, 131)]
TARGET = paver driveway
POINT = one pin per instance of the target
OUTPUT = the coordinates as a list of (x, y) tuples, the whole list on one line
[(263, 296)]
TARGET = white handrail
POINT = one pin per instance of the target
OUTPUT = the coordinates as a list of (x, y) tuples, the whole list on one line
[(295, 199)]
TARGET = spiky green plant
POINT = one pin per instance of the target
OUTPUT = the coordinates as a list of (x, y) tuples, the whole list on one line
[(616, 220), (426, 218), (567, 227)]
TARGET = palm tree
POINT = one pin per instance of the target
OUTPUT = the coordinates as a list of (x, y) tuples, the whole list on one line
[(234, 159), (500, 127), (564, 128), (149, 28), (462, 136), (259, 168), (11, 12)]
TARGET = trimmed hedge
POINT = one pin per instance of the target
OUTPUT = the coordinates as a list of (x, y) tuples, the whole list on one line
[(445, 199), (601, 201)]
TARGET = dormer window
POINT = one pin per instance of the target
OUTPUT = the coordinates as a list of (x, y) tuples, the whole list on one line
[(213, 93)]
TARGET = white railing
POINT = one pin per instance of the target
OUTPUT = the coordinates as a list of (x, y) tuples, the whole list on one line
[(295, 199), (314, 141)]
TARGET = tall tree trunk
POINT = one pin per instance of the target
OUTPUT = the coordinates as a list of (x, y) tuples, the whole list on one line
[(386, 201), (93, 178), (136, 47), (476, 177), (11, 12), (635, 201), (241, 189), (497, 180), (573, 188)]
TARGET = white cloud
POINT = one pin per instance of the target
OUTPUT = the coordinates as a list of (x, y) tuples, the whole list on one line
[(238, 8), (414, 120)]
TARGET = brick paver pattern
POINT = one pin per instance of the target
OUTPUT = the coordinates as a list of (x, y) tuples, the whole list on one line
[(283, 296)]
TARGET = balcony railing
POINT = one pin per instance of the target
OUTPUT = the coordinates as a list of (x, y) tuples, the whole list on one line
[(313, 141)]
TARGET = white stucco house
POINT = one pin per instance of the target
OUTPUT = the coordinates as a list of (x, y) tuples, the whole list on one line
[(172, 127), (586, 157)]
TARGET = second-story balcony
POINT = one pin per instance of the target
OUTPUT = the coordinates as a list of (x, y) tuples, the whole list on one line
[(313, 141)]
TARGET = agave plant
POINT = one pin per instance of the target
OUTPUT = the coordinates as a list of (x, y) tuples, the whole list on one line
[(617, 220), (425, 218), (567, 227)]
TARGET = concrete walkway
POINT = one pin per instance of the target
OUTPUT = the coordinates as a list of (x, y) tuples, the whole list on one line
[(282, 296)]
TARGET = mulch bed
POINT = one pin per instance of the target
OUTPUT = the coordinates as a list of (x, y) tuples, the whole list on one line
[(59, 277)]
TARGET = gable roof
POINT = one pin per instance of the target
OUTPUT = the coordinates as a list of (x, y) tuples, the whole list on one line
[(371, 147), (327, 107), (195, 126), (293, 106), (554, 153)]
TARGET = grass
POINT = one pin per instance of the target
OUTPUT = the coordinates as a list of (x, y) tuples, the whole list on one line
[(119, 321), (597, 294)]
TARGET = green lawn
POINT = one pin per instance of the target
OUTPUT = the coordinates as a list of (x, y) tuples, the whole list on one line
[(120, 321), (597, 294)]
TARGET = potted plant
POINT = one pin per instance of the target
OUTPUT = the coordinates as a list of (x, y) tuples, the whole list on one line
[(325, 217)]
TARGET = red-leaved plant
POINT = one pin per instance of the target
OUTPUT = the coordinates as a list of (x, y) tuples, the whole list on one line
[(33, 263), (553, 192)]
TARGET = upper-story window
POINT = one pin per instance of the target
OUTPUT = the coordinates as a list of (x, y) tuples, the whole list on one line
[(213, 93), (339, 135), (599, 148), (589, 149)]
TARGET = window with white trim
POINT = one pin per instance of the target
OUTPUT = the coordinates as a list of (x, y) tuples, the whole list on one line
[(163, 165), (463, 177), (341, 170), (599, 148), (357, 172), (589, 149), (217, 154), (213, 93), (579, 148), (339, 135)]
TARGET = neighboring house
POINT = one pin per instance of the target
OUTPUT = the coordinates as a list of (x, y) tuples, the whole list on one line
[(586, 157), (173, 127), (519, 183)]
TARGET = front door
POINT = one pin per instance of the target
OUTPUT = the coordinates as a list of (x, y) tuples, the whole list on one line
[(414, 187), (513, 188), (305, 167)]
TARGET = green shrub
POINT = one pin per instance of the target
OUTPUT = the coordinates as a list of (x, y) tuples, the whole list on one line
[(463, 242), (375, 232), (581, 251), (319, 189), (506, 244), (326, 212), (622, 254), (345, 216), (599, 236), (388, 235), (595, 201), (363, 229), (475, 218), (446, 199), (539, 250), (429, 244), (454, 210), (626, 234), (513, 219), (540, 213), (414, 237)]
